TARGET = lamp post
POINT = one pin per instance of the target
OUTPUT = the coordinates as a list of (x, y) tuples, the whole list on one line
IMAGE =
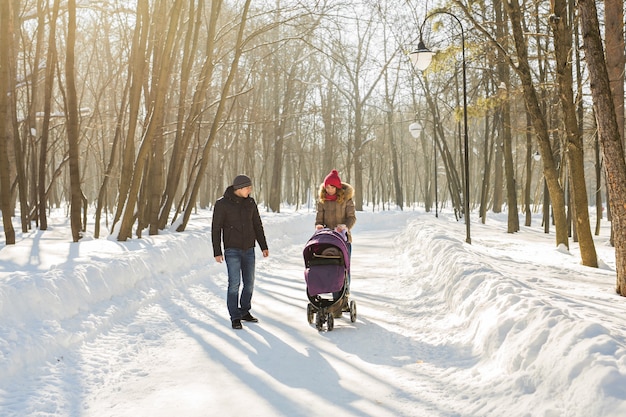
[(421, 59), (416, 130)]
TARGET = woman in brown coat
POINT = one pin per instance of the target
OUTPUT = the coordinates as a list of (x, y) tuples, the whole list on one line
[(335, 208)]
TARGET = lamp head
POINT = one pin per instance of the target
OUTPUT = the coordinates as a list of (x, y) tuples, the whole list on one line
[(415, 129), (421, 57)]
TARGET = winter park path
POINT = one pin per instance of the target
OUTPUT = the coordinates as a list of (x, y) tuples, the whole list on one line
[(172, 352), (444, 329)]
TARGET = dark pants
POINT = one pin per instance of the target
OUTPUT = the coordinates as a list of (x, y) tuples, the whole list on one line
[(336, 295), (240, 265)]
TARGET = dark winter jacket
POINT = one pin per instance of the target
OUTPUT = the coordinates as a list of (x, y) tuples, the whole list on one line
[(341, 211), (237, 221)]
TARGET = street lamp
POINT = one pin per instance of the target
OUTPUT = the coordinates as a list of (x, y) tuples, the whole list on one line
[(415, 129), (421, 59)]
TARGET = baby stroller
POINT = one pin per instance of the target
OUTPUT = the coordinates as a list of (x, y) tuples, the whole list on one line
[(327, 263)]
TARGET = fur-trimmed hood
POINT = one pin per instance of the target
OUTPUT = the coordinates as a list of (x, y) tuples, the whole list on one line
[(346, 193)]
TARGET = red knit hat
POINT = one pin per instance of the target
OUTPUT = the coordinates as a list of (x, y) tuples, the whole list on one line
[(333, 179)]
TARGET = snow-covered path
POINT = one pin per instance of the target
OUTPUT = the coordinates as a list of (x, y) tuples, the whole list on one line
[(444, 329), (175, 353), (182, 358)]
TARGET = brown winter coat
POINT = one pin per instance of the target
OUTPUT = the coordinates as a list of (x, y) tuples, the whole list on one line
[(341, 211)]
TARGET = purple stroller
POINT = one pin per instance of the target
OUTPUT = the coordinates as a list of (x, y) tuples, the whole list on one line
[(327, 263)]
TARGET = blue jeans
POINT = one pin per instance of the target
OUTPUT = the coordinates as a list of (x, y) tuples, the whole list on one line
[(240, 265)]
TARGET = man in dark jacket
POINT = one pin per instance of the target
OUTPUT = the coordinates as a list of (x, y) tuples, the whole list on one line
[(237, 222)]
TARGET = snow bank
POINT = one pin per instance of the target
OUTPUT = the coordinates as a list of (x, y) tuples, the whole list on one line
[(45, 313), (529, 341)]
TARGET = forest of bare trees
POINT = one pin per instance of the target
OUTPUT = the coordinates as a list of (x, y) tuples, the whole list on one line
[(138, 112)]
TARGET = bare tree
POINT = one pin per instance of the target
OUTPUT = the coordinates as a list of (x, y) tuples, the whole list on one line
[(72, 125), (523, 69), (136, 74), (615, 58), (615, 61), (452, 174), (284, 101), (221, 108), (356, 65), (562, 48), (17, 149), (187, 126), (609, 134), (505, 127), (5, 121), (155, 119), (51, 64)]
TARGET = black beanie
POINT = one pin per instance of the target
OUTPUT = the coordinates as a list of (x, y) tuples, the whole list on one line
[(241, 181)]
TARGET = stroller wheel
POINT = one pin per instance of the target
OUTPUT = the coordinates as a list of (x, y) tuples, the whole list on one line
[(319, 322), (352, 311), (331, 322), (310, 313)]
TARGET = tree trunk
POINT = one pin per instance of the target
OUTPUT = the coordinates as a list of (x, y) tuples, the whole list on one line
[(598, 171), (358, 151), (117, 137), (282, 114), (498, 172), (507, 138), (17, 143), (277, 167), (186, 131), (5, 136), (156, 181), (154, 124), (509, 170), (489, 151), (562, 48), (539, 124), (328, 108), (397, 185), (72, 125), (615, 59), (136, 75), (529, 173), (51, 63), (609, 134)]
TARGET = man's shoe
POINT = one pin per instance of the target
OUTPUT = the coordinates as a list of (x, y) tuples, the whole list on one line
[(237, 324), (250, 317)]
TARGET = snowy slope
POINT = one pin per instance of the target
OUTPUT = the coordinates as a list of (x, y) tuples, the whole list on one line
[(507, 326)]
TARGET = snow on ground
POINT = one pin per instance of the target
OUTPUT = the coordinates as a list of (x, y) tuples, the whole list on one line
[(508, 326)]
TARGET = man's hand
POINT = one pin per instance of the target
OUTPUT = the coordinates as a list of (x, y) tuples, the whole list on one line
[(219, 259), (266, 253)]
